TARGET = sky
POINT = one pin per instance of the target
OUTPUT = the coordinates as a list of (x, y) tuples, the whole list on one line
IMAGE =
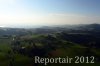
[(48, 12)]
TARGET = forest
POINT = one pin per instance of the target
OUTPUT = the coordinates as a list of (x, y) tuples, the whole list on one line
[(18, 46)]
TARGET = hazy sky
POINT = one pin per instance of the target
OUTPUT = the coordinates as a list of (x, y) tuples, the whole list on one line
[(48, 12)]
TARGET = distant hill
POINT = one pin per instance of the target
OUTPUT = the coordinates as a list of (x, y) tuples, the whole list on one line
[(50, 29), (88, 27)]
